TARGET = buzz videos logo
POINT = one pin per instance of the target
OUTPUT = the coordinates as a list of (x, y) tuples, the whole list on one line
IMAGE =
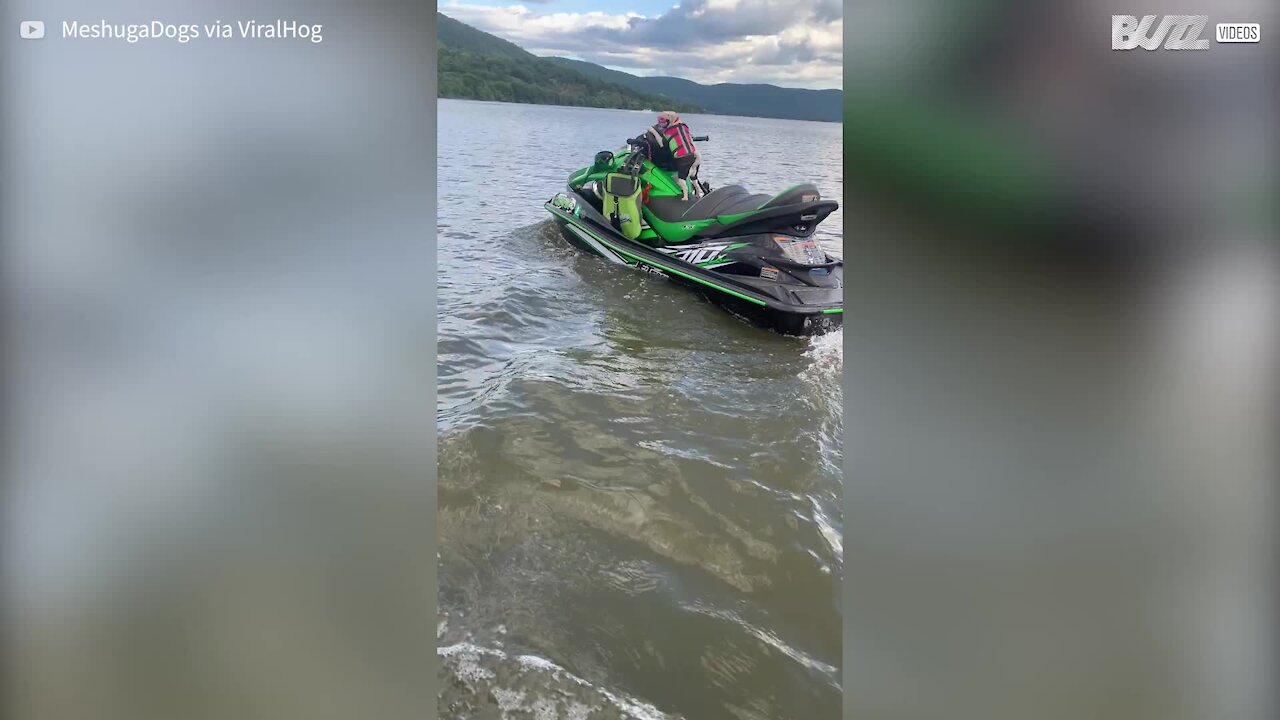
[(1176, 32)]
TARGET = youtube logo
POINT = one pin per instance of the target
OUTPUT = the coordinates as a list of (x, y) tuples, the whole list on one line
[(31, 29)]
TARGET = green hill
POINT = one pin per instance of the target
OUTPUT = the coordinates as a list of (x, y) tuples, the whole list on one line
[(475, 65), (727, 98)]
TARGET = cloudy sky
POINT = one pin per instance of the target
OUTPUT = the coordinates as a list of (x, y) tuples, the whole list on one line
[(793, 43)]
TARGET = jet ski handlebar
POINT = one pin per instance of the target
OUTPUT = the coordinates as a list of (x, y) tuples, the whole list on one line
[(641, 140)]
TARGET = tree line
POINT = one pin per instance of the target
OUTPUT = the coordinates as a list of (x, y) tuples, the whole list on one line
[(482, 76)]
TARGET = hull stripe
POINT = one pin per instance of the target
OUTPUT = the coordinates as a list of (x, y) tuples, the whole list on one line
[(606, 254)]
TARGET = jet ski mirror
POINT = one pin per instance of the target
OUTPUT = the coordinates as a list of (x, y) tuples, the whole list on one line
[(603, 160)]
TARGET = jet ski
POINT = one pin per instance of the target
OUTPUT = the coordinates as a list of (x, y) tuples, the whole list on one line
[(753, 254)]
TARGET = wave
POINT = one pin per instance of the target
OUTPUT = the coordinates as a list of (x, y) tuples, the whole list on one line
[(476, 680)]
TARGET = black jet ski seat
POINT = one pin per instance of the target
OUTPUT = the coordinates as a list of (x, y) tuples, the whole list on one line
[(727, 200)]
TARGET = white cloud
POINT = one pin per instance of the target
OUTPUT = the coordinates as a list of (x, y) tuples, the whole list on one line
[(794, 43), (520, 21)]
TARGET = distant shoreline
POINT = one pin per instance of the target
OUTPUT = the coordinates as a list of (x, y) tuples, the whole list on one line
[(593, 107)]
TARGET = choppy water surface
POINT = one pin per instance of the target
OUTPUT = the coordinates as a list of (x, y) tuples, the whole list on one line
[(639, 494)]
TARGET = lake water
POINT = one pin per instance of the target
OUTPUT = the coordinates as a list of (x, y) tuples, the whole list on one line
[(640, 495)]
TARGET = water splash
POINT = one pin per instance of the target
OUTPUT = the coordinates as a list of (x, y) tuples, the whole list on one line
[(826, 357), (480, 678)]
